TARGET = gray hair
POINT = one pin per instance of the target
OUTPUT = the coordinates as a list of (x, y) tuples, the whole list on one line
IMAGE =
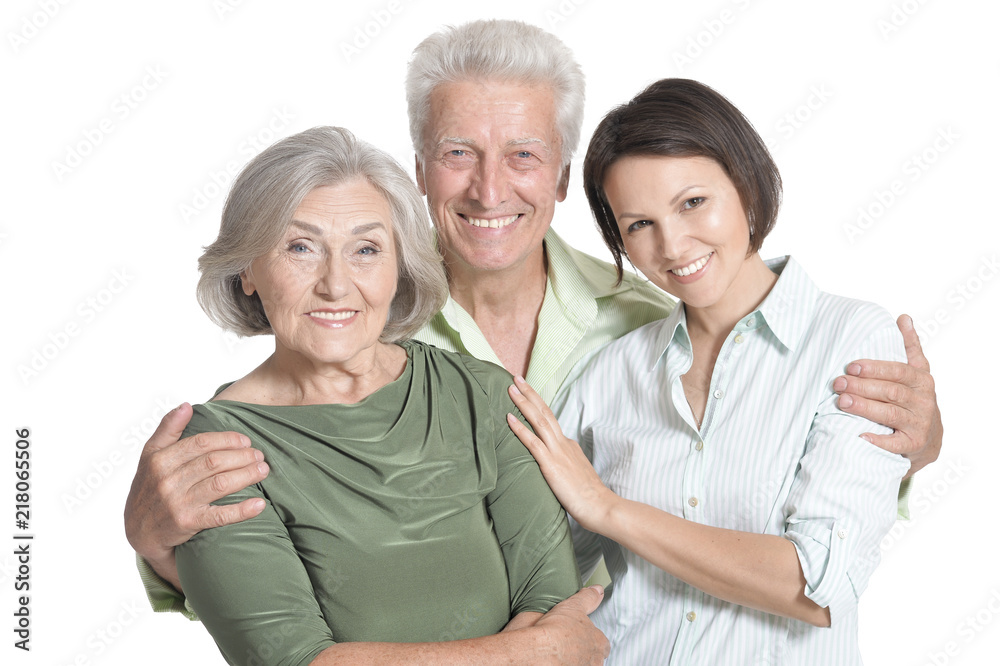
[(259, 209), (502, 50)]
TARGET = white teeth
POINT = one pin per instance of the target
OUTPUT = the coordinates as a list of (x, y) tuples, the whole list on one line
[(693, 268), (333, 316), (495, 223)]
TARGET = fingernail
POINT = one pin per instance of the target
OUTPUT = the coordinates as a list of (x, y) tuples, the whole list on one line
[(518, 378), (908, 322), (867, 439), (839, 384), (258, 456), (854, 369), (257, 505), (262, 468), (845, 401), (599, 588), (515, 389)]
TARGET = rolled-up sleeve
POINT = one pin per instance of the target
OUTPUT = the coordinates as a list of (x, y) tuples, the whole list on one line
[(843, 499)]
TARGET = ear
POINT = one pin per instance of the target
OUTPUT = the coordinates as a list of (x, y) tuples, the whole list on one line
[(418, 167), (563, 187), (247, 283)]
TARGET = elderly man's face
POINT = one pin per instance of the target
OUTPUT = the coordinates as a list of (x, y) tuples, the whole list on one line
[(491, 171)]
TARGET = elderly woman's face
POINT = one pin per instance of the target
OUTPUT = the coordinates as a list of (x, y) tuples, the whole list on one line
[(327, 287)]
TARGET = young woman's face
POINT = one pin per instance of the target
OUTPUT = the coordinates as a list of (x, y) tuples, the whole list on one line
[(682, 223)]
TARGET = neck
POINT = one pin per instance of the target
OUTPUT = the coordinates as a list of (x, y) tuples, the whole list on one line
[(508, 292), (290, 378), (505, 305), (748, 291)]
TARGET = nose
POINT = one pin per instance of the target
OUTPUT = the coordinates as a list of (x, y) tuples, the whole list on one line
[(671, 238), (489, 185), (333, 277)]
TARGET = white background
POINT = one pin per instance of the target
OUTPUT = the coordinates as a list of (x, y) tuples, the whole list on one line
[(98, 252)]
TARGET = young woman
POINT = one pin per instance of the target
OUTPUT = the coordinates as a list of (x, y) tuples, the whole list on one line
[(738, 510)]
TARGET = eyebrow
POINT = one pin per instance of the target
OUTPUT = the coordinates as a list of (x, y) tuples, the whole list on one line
[(360, 229), (363, 228), (305, 226), (513, 142), (677, 197)]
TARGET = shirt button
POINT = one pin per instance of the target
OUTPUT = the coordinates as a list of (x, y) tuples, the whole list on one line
[(750, 322), (693, 501), (738, 339), (842, 534), (718, 394), (699, 446), (691, 616)]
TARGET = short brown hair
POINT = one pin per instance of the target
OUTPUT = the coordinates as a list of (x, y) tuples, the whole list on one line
[(683, 118)]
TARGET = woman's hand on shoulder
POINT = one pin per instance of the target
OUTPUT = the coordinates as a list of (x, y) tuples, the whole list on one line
[(565, 467)]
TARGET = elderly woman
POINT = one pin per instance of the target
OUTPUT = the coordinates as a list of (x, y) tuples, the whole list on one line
[(400, 509), (738, 510)]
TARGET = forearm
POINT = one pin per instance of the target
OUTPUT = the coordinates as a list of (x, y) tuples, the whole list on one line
[(520, 646), (759, 571)]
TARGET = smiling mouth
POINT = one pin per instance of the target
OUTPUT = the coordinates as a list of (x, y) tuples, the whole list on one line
[(492, 223), (340, 315), (693, 267)]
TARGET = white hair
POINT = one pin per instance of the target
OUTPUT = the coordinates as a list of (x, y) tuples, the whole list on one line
[(260, 207), (502, 50)]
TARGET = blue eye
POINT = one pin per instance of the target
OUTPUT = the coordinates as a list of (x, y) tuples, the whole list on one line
[(368, 250), (298, 248), (457, 152), (524, 154)]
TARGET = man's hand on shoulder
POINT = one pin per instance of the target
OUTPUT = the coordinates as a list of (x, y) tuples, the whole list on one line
[(900, 396), (176, 482)]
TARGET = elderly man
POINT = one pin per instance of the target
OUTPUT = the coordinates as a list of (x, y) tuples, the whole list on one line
[(495, 113)]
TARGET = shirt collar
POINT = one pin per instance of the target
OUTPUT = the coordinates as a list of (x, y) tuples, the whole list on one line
[(787, 310)]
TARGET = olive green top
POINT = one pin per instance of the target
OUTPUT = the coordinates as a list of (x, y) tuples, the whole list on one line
[(413, 515)]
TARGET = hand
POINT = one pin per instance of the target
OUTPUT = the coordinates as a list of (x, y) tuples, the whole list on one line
[(176, 482), (565, 467), (900, 396), (570, 632)]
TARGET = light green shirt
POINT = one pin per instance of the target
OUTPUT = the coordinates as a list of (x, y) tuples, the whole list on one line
[(583, 310)]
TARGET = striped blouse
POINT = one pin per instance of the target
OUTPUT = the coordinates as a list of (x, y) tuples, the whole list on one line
[(774, 455)]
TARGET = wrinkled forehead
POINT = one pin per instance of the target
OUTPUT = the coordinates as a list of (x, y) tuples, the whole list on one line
[(503, 109)]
